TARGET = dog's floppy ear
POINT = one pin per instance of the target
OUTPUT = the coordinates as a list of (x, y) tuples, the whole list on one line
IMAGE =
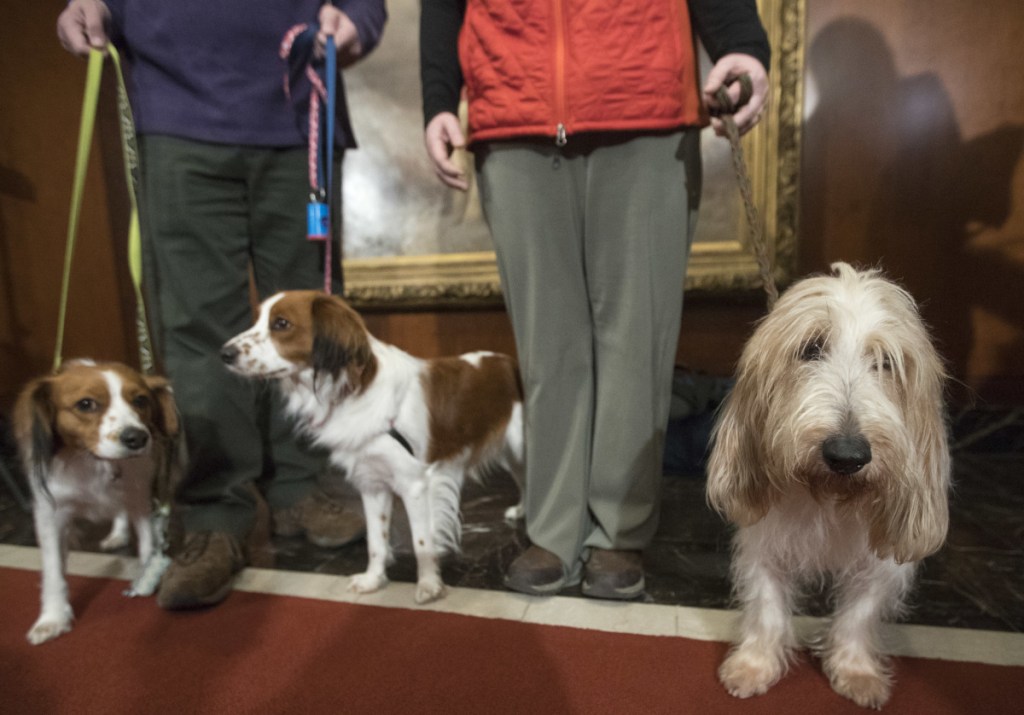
[(913, 515), (34, 418), (737, 486), (340, 342), (173, 457), (165, 411)]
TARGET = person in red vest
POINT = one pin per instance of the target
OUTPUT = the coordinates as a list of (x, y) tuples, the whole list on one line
[(585, 121)]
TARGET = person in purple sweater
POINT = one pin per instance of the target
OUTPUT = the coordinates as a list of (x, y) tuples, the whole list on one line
[(223, 189)]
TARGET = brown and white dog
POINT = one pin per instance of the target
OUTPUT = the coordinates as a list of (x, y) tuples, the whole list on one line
[(396, 423), (831, 456), (92, 438)]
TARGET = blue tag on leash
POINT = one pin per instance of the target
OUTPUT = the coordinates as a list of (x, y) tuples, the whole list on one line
[(317, 220)]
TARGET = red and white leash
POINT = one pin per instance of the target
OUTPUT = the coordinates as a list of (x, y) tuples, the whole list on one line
[(318, 213)]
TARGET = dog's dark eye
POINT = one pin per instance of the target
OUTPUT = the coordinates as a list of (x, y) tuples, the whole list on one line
[(812, 350), (140, 401), (279, 324), (87, 404), (884, 364)]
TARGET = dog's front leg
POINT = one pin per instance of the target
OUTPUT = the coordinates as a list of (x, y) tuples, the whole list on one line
[(119, 535), (144, 534), (377, 505), (767, 639), (852, 652), (55, 616), (416, 497)]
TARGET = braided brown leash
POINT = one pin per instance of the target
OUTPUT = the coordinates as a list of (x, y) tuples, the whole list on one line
[(726, 110)]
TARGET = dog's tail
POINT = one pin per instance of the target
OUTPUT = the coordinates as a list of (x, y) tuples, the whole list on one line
[(445, 490)]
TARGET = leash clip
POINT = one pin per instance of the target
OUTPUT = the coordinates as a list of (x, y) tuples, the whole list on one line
[(318, 217)]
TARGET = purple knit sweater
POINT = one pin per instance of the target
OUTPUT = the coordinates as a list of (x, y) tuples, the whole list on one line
[(209, 70)]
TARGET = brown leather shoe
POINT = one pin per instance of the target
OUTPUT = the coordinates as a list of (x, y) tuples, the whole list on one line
[(537, 572), (617, 575), (202, 573), (326, 521)]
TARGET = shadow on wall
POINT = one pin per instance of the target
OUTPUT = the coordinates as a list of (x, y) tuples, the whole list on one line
[(897, 185)]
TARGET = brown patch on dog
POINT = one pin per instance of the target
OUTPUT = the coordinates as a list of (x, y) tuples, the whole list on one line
[(293, 338), (323, 332), (469, 406), (165, 416), (341, 342)]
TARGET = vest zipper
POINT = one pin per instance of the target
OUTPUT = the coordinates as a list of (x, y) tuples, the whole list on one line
[(560, 111)]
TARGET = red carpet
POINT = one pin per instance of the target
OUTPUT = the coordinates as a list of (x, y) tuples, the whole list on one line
[(271, 654)]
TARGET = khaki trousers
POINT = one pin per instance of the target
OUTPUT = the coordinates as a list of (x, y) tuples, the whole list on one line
[(592, 241)]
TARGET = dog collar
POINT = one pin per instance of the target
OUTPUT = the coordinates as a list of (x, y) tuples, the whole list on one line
[(401, 440)]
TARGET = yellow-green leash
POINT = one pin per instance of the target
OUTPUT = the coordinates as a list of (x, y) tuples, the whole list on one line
[(146, 582), (94, 76)]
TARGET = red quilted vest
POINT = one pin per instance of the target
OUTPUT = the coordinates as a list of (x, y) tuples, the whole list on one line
[(558, 67)]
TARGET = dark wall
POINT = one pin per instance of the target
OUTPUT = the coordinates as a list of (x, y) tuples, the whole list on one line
[(912, 160), (41, 89)]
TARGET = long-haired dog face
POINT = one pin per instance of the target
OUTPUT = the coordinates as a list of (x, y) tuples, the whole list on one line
[(836, 419), (840, 391), (90, 439), (398, 424), (300, 330), (109, 411)]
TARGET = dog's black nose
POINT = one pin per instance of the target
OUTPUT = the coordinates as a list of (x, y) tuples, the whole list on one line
[(846, 455), (134, 438), (228, 354)]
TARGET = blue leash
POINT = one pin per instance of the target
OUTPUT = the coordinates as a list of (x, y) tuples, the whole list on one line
[(299, 52), (332, 98), (326, 167)]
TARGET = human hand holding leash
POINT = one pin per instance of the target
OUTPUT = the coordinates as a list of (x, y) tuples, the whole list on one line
[(82, 26), (442, 136), (736, 101), (333, 22), (750, 97)]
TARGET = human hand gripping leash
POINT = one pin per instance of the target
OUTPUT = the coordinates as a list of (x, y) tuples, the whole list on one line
[(725, 112)]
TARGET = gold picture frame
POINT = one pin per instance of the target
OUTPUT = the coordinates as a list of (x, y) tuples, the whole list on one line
[(410, 243)]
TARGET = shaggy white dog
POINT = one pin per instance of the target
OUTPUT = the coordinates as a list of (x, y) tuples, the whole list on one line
[(831, 457)]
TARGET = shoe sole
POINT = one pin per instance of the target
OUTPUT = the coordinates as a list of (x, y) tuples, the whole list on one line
[(629, 593), (547, 589)]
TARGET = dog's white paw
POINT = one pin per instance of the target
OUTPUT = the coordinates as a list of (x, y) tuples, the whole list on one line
[(367, 582), (866, 682), (869, 690), (746, 672), (429, 589), (48, 627)]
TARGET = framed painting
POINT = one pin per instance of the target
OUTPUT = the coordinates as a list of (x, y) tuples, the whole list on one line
[(412, 243)]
